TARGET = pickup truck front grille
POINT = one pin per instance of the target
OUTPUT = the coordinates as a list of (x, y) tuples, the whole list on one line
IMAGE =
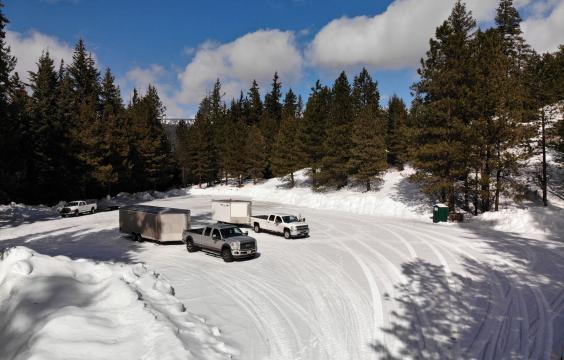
[(248, 246), (302, 227), (65, 210)]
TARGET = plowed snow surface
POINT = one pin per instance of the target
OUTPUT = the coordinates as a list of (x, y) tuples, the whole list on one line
[(360, 287)]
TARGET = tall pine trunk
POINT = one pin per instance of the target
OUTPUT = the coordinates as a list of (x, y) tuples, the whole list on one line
[(485, 179), (544, 179), (292, 181)]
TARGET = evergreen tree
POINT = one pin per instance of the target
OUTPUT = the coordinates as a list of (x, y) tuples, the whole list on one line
[(337, 144), (311, 135), (396, 132), (183, 152), (285, 154), (270, 120), (114, 146), (441, 125), (11, 130), (48, 134), (368, 150), (290, 106), (254, 105), (255, 156)]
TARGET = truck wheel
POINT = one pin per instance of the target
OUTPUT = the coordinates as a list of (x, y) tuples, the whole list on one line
[(190, 246), (257, 228), (92, 211), (76, 213), (137, 237), (286, 233), (226, 254)]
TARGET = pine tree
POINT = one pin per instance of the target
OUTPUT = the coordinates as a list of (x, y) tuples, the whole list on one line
[(285, 154), (441, 124), (182, 152), (11, 130), (311, 135), (337, 144), (48, 133), (114, 145), (270, 120), (255, 156), (368, 150), (290, 106), (152, 144), (254, 105), (396, 136)]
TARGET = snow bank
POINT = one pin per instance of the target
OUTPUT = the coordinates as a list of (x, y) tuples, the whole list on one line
[(531, 220), (24, 213), (395, 197), (54, 308)]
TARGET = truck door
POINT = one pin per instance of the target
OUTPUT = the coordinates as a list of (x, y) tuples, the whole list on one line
[(271, 224), (207, 242), (216, 240), (279, 225)]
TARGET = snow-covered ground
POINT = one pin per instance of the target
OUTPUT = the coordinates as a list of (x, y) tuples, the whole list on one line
[(362, 286), (57, 308), (396, 196)]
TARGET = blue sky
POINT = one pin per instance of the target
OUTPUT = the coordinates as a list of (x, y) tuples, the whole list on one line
[(182, 46)]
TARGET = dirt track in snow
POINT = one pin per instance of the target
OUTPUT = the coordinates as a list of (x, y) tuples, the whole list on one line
[(359, 287)]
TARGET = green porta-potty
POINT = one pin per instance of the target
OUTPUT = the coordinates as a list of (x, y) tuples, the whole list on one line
[(440, 213)]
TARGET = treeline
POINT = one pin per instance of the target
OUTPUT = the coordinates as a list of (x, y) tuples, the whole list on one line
[(67, 134), (343, 134), (480, 110)]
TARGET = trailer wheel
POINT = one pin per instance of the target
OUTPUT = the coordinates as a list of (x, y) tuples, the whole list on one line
[(286, 233), (137, 237), (257, 228), (226, 254), (190, 246)]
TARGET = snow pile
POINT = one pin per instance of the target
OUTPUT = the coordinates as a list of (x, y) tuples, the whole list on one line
[(533, 220), (24, 213), (395, 197), (55, 308), (124, 198)]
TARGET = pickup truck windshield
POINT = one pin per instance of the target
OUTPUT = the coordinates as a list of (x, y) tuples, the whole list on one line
[(73, 203), (290, 219), (231, 232)]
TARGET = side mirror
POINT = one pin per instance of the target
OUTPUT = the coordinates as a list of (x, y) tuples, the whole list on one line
[(303, 220), (246, 233)]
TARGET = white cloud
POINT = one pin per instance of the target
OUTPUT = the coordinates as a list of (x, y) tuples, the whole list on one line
[(255, 55), (28, 47), (545, 33), (141, 78), (398, 37)]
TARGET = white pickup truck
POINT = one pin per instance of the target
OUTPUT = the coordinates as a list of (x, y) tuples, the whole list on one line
[(289, 225), (79, 207)]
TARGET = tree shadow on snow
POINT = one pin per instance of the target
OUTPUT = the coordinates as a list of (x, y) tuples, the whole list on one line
[(511, 308), (98, 245), (409, 193), (26, 315)]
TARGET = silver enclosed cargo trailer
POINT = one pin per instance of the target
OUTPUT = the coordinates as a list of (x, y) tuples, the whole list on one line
[(231, 211), (153, 222)]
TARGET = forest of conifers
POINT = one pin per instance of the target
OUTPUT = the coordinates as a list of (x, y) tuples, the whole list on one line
[(485, 102)]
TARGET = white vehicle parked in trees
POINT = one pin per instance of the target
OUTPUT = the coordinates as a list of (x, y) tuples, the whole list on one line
[(289, 225), (79, 207)]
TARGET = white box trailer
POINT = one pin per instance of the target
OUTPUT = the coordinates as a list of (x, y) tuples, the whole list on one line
[(231, 211), (153, 222)]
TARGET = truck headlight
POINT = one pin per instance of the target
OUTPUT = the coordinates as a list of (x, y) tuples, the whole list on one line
[(236, 245)]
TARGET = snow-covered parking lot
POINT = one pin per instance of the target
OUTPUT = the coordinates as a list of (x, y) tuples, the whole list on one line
[(359, 287)]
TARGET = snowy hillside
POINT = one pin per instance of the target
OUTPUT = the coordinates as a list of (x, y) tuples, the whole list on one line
[(55, 308), (395, 197)]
